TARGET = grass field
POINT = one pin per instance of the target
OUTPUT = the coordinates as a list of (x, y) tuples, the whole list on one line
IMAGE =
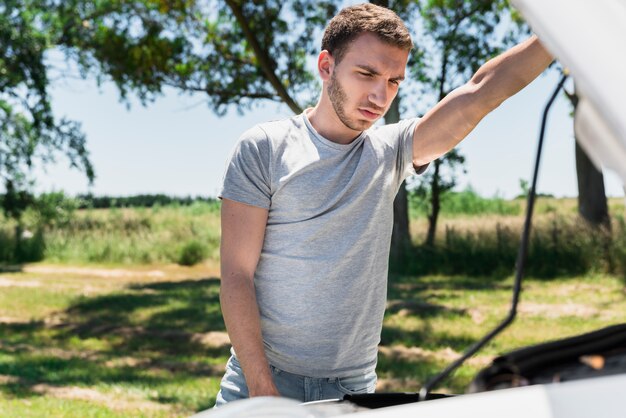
[(127, 236), (476, 236), (110, 325), (129, 342)]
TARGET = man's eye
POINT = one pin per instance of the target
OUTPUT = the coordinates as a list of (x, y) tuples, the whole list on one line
[(366, 74)]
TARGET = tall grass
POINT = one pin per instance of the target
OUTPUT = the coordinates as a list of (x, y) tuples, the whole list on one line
[(560, 245), (161, 234), (476, 236), (480, 236)]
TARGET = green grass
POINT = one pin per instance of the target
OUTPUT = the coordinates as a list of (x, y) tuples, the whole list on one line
[(444, 315), (80, 338), (465, 203), (62, 408), (476, 236), (35, 302), (487, 244), (81, 345), (468, 203), (133, 345), (161, 234)]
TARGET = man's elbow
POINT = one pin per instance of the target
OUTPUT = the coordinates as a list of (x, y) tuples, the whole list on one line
[(235, 289), (236, 282)]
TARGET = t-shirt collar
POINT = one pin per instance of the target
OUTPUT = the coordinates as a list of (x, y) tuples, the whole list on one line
[(326, 141)]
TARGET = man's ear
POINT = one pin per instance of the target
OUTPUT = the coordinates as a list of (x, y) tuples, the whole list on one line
[(325, 65)]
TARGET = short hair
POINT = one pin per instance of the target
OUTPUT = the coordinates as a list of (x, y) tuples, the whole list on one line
[(352, 21)]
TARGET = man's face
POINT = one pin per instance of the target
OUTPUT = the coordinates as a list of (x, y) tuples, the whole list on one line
[(364, 83)]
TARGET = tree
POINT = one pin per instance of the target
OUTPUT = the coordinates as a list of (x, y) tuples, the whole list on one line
[(400, 237), (236, 52), (243, 52), (28, 128), (461, 35), (592, 203), (29, 132)]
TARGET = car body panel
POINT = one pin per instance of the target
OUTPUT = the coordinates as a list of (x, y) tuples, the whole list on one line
[(589, 39)]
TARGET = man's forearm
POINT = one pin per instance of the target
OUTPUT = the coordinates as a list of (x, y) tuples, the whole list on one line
[(241, 315)]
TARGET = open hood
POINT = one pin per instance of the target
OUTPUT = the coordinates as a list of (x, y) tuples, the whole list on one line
[(588, 38)]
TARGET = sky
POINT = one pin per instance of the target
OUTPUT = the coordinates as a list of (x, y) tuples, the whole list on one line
[(178, 146)]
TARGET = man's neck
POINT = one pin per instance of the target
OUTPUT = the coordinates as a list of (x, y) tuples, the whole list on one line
[(325, 121)]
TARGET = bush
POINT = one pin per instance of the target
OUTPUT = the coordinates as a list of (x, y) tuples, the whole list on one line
[(53, 209), (31, 249), (7, 245), (192, 253)]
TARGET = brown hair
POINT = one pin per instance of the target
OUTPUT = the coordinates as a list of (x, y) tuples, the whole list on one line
[(352, 21)]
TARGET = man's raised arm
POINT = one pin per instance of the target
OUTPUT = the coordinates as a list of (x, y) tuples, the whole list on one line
[(454, 117), (243, 231)]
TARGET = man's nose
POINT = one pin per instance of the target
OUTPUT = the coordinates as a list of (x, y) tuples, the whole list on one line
[(378, 95)]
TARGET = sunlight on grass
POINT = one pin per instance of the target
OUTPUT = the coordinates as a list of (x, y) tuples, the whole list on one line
[(110, 326), (137, 345), (131, 349), (439, 317)]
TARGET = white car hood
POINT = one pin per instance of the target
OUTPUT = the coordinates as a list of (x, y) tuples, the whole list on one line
[(588, 38)]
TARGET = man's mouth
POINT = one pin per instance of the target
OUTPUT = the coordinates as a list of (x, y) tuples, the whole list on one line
[(369, 114)]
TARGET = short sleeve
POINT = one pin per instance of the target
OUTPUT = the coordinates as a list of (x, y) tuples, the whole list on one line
[(400, 135), (247, 175)]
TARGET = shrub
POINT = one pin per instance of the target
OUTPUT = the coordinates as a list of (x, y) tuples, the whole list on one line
[(192, 253), (31, 248)]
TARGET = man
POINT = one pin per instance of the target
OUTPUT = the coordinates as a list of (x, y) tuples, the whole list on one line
[(307, 207)]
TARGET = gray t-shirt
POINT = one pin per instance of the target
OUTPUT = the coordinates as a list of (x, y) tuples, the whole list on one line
[(321, 280)]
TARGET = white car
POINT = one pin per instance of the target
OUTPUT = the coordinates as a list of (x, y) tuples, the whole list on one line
[(588, 38)]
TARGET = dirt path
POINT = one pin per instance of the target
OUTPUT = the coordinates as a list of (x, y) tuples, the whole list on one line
[(153, 273)]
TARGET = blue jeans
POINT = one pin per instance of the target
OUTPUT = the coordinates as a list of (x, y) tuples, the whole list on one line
[(289, 385)]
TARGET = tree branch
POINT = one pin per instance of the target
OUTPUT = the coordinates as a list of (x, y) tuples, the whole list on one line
[(265, 61), (220, 93), (459, 18)]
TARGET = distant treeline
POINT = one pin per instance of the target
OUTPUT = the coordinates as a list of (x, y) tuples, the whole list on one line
[(86, 201), (137, 201)]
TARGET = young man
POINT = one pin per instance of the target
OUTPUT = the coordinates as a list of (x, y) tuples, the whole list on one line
[(307, 207)]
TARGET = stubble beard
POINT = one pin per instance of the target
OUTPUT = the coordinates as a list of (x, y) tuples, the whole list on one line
[(338, 99)]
